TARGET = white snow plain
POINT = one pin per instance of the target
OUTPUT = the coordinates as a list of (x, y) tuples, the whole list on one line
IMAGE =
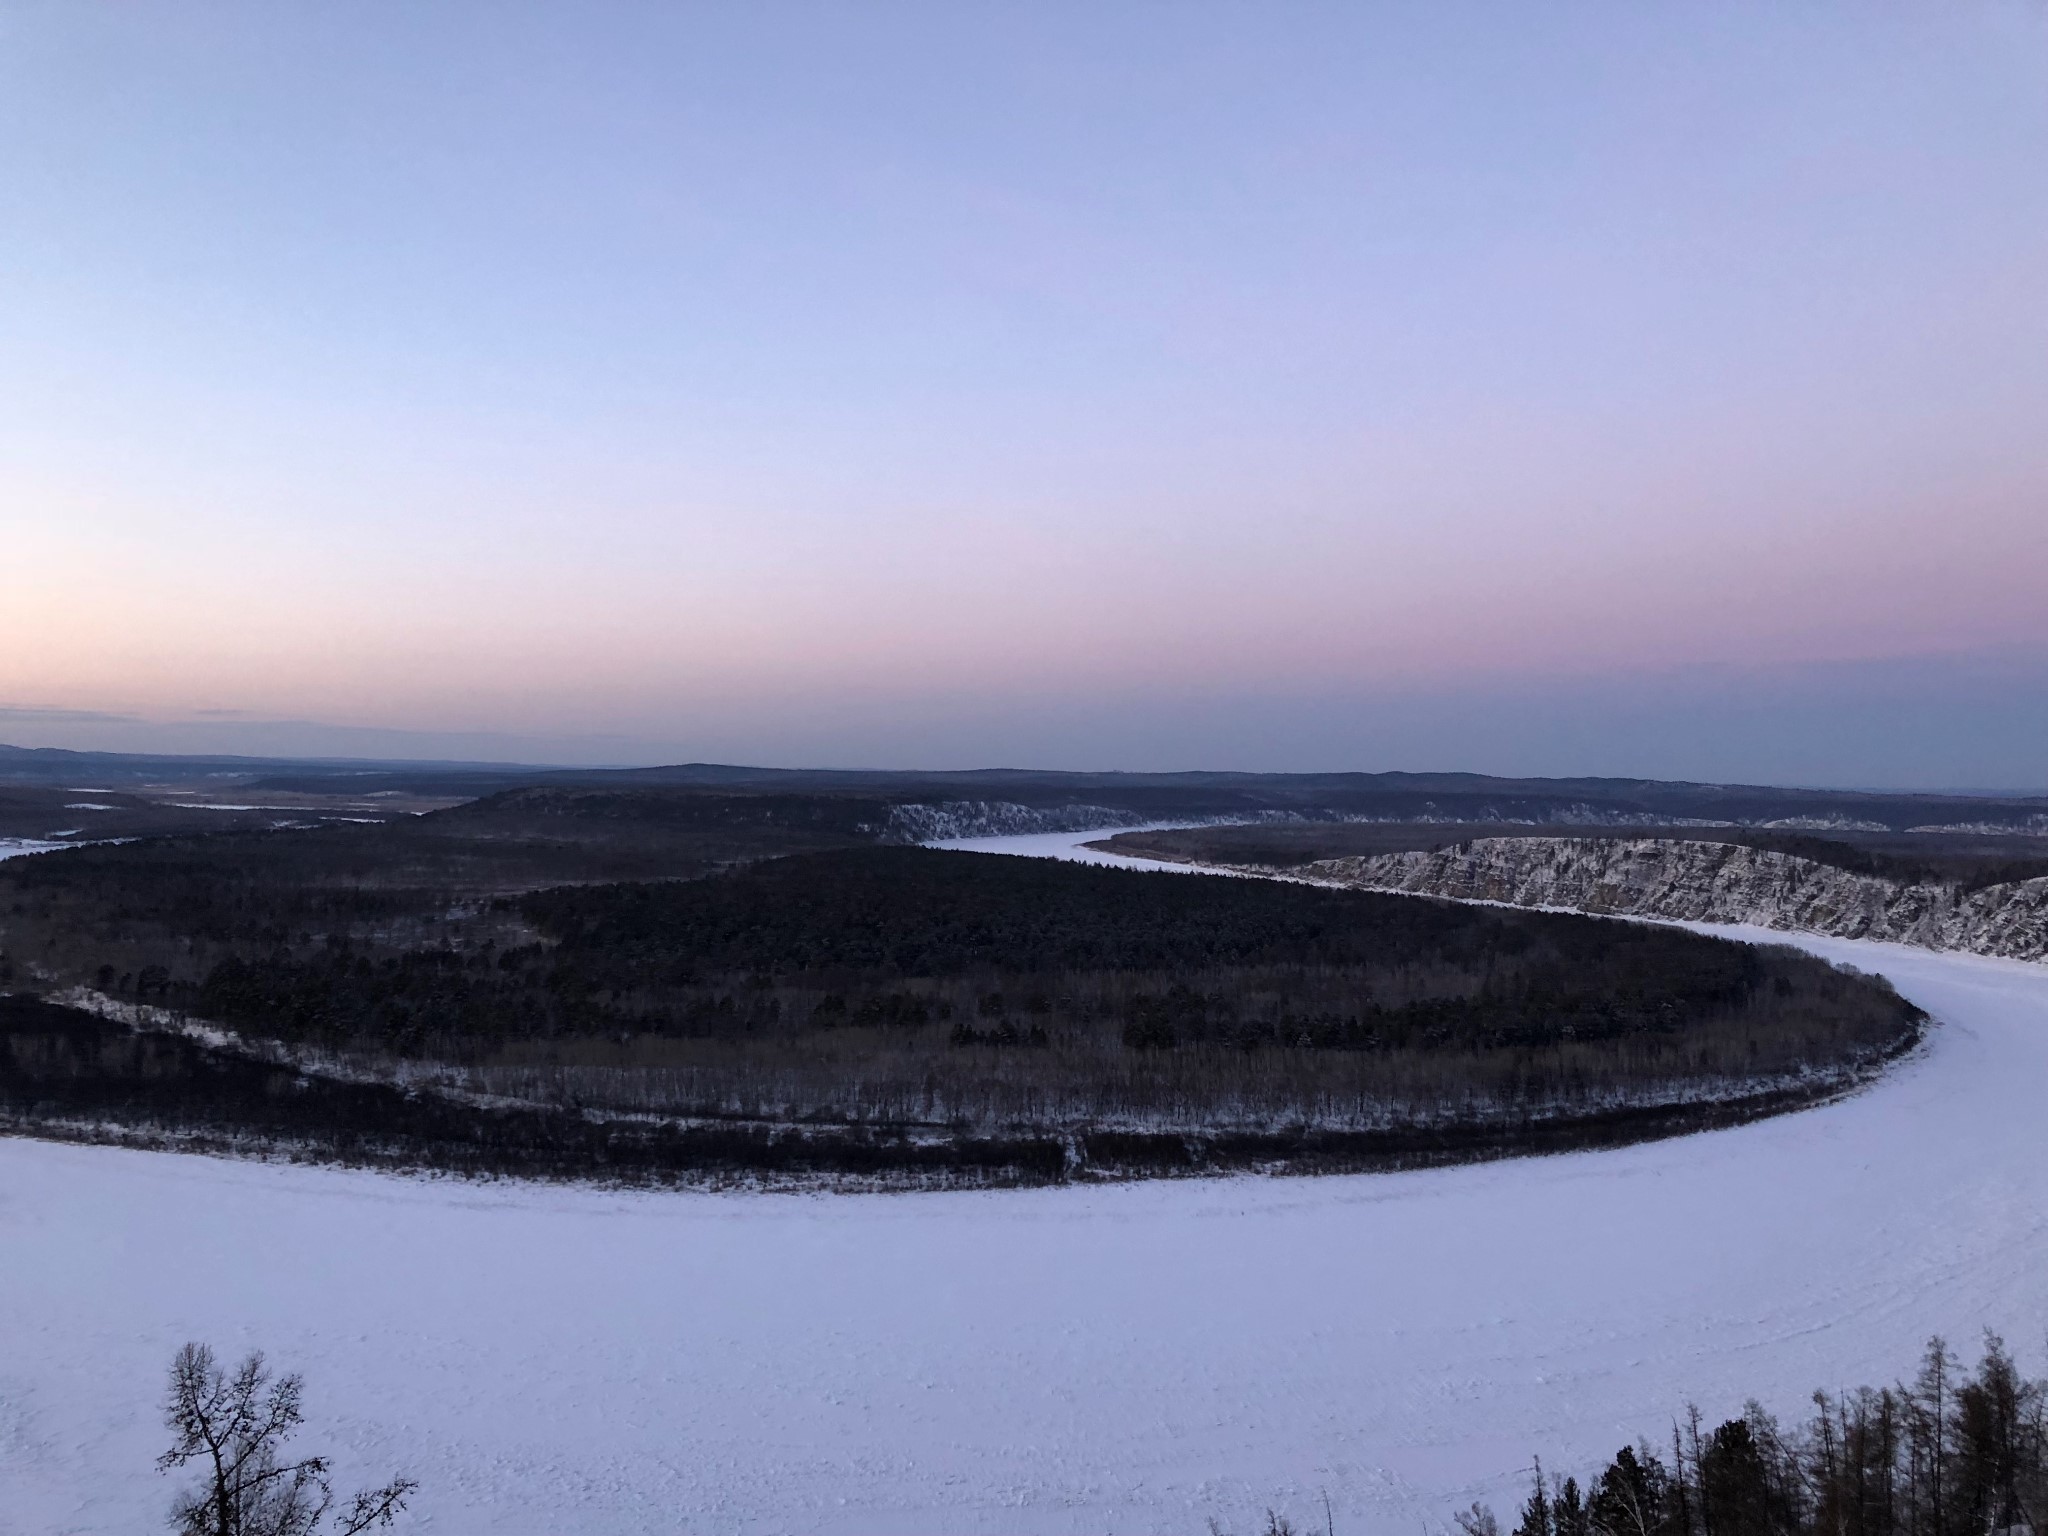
[(557, 1361)]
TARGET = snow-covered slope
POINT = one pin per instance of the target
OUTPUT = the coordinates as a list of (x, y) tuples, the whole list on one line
[(947, 822), (923, 823), (1713, 883), (15, 847), (961, 820), (567, 1362)]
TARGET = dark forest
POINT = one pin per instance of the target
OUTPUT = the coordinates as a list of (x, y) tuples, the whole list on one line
[(1140, 1021)]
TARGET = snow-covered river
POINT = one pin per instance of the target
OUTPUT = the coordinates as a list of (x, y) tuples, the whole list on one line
[(561, 1362)]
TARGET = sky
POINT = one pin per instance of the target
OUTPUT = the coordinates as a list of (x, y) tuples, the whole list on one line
[(1645, 389)]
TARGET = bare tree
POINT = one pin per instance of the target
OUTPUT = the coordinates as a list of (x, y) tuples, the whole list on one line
[(235, 1427)]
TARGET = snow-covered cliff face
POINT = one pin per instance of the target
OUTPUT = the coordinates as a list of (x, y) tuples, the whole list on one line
[(939, 821), (1713, 883), (997, 818)]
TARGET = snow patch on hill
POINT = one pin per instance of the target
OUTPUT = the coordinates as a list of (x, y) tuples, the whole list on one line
[(998, 818), (1713, 883), (954, 820), (16, 847)]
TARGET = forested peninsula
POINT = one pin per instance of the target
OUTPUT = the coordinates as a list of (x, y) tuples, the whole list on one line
[(861, 1014)]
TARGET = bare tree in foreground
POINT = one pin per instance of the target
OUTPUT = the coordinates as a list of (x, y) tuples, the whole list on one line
[(235, 1427)]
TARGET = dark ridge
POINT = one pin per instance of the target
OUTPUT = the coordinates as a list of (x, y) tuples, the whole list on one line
[(1144, 796)]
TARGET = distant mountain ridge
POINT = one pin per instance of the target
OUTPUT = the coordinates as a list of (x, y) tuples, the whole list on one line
[(983, 801)]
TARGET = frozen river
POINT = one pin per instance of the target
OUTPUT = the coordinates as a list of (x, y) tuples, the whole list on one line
[(550, 1362)]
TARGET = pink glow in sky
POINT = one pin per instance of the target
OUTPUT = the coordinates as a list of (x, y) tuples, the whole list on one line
[(1297, 386)]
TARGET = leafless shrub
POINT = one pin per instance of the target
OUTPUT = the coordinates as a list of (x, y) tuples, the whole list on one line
[(234, 1426)]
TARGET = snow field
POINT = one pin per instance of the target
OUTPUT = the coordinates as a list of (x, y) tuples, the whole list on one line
[(573, 1362)]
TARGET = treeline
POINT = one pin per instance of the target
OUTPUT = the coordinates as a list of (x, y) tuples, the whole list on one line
[(73, 1075), (1955, 1452), (70, 1074), (1967, 861)]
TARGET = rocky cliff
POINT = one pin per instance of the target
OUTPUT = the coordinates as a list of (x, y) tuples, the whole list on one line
[(1713, 883)]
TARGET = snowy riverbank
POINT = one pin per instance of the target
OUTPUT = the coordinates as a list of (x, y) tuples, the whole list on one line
[(18, 847), (558, 1362), (1712, 883)]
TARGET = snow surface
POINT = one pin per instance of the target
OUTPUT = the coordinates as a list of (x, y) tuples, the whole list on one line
[(1133, 1358), (15, 847)]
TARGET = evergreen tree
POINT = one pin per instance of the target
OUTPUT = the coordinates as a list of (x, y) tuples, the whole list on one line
[(1631, 1497), (1568, 1510), (1536, 1518), (1733, 1482)]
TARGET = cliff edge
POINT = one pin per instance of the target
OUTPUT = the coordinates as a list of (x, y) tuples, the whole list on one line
[(1712, 883)]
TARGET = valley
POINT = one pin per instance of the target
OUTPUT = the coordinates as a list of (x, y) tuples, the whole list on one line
[(1145, 1355)]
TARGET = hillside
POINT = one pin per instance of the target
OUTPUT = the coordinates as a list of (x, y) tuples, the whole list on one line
[(1712, 882)]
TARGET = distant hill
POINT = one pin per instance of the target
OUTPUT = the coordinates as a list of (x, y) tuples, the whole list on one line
[(987, 800), (61, 765)]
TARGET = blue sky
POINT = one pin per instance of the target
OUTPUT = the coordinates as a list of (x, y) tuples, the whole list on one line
[(1570, 388)]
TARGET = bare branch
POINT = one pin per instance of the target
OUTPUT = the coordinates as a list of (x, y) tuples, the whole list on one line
[(379, 1507)]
